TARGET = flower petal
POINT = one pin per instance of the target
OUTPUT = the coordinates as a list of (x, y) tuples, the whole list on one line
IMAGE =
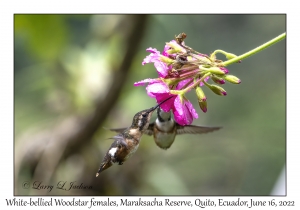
[(191, 109), (156, 88), (168, 105), (184, 112), (160, 91), (152, 50), (143, 82), (154, 56), (161, 68)]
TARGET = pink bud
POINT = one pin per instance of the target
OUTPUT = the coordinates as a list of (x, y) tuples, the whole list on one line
[(224, 70)]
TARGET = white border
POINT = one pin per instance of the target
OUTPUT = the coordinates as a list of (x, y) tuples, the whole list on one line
[(8, 8)]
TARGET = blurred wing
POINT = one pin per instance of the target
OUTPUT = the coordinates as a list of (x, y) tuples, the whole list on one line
[(118, 130), (149, 130), (194, 129), (118, 140)]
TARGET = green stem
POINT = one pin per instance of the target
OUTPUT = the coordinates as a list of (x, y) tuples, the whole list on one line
[(256, 50), (218, 51)]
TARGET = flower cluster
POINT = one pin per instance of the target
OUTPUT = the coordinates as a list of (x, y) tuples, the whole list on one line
[(181, 69)]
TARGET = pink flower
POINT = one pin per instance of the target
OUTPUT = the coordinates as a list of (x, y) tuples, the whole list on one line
[(183, 110), (154, 57)]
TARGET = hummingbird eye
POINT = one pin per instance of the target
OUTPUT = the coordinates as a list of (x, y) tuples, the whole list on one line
[(144, 115)]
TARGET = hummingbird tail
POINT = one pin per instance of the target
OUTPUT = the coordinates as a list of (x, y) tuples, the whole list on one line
[(104, 165)]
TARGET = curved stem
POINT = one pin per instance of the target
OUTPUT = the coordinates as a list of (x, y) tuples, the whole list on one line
[(256, 50), (218, 51)]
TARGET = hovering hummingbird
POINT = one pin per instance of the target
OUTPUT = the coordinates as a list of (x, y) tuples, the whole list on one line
[(164, 129), (127, 141)]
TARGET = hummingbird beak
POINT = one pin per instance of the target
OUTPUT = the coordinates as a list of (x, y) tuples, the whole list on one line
[(153, 108)]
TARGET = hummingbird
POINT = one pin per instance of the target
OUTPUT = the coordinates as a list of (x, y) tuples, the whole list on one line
[(127, 141), (164, 129)]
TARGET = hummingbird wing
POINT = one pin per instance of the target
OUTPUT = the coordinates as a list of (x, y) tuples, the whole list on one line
[(194, 129), (119, 141), (118, 130), (149, 131)]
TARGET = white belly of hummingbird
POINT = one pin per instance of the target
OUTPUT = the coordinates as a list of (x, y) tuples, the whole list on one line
[(164, 140), (164, 133)]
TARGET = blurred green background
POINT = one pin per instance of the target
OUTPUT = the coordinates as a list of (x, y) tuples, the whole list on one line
[(74, 75)]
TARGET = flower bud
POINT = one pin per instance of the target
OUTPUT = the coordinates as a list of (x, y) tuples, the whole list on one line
[(203, 105), (232, 79), (201, 99), (217, 79), (217, 70), (200, 94), (224, 70), (217, 90), (166, 59), (176, 48)]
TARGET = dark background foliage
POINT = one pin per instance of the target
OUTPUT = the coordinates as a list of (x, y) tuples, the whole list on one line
[(74, 75)]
